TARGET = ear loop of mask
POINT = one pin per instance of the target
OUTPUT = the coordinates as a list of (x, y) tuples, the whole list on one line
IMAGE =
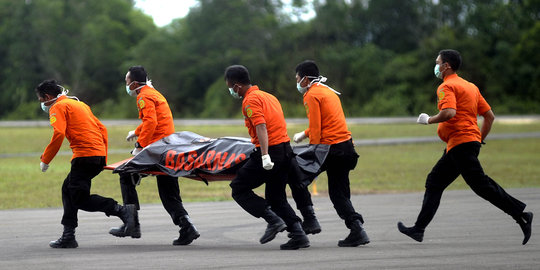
[(320, 81), (65, 92), (147, 82), (134, 91)]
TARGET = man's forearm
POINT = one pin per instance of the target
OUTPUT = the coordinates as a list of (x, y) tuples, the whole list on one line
[(262, 135), (489, 117), (442, 116)]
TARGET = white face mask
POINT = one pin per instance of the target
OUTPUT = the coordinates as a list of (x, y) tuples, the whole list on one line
[(301, 89), (437, 71), (133, 92), (44, 107), (234, 94)]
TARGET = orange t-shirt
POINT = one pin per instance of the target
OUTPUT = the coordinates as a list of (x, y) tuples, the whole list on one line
[(74, 120), (463, 96), (327, 123), (156, 116), (259, 107)]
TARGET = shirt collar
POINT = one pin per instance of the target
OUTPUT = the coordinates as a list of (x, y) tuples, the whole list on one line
[(451, 76), (62, 97), (251, 89), (143, 88)]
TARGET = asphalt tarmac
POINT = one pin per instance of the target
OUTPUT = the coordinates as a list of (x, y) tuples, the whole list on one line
[(467, 233)]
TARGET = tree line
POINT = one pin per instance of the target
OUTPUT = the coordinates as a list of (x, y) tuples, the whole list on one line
[(380, 54)]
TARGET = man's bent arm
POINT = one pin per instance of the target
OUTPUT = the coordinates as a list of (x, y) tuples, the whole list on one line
[(443, 115), (489, 117)]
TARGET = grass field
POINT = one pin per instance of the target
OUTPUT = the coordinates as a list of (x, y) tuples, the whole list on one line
[(381, 169)]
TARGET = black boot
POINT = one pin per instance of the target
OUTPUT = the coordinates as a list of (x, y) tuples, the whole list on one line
[(131, 227), (356, 237), (524, 222), (67, 240), (188, 232), (311, 224), (275, 225), (298, 238), (412, 232)]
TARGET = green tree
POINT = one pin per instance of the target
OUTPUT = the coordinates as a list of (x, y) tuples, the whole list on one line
[(80, 43), (214, 34), (379, 54)]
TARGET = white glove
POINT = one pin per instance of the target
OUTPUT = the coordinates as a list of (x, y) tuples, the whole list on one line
[(423, 119), (43, 166), (131, 136), (300, 136), (267, 162), (136, 150)]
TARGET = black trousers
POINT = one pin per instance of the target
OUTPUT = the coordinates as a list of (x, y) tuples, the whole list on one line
[(253, 175), (300, 192), (169, 193), (341, 159), (76, 190), (463, 160)]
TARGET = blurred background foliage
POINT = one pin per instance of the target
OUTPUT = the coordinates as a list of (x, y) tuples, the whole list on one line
[(379, 54)]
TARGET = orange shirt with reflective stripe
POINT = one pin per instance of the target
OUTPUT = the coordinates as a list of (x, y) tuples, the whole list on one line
[(259, 107), (327, 123), (74, 120), (156, 116), (463, 96)]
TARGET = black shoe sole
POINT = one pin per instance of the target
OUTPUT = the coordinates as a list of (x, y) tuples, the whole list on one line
[(135, 233), (403, 229), (271, 237), (312, 231), (122, 235), (316, 231), (355, 244), (294, 247), (185, 242), (72, 245)]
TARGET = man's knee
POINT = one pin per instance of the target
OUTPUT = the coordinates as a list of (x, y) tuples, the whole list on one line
[(435, 182), (79, 197), (277, 200), (480, 183), (236, 190)]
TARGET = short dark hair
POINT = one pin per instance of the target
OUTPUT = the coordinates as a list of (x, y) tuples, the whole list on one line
[(307, 68), (50, 87), (138, 74), (452, 57), (237, 74)]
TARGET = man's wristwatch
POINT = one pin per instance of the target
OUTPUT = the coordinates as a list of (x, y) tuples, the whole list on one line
[(138, 145)]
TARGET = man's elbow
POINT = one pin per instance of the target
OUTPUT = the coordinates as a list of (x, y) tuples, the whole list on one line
[(448, 114), (489, 116)]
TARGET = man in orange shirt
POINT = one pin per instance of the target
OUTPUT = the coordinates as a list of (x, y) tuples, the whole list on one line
[(87, 138), (459, 103), (327, 125), (269, 163), (157, 123)]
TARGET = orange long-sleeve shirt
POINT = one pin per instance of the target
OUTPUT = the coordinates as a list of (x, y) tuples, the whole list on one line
[(463, 96), (74, 120), (327, 123), (259, 107), (156, 116)]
